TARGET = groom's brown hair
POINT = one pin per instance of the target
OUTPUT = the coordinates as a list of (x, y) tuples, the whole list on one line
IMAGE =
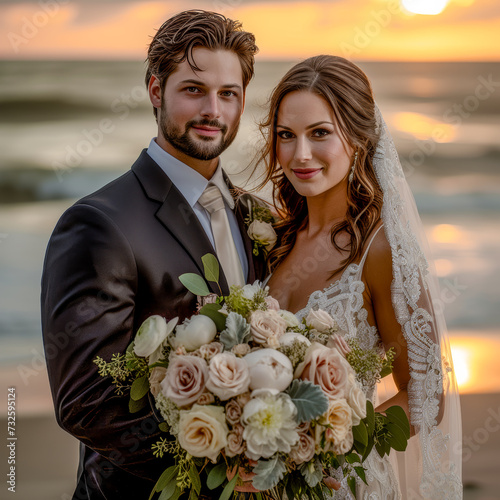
[(178, 36)]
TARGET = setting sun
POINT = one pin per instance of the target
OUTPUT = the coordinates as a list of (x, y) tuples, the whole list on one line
[(426, 7)]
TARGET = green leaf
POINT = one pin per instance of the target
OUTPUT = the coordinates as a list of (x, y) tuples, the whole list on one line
[(352, 458), (352, 485), (216, 476), (168, 491), (212, 311), (210, 267), (195, 478), (370, 418), (237, 331), (360, 434), (369, 448), (310, 400), (163, 427), (135, 406), (397, 415), (361, 473), (397, 439), (268, 473), (167, 476), (140, 387), (386, 370), (195, 284), (130, 347), (193, 495), (228, 490)]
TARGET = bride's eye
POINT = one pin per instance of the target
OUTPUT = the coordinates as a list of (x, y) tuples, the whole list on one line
[(285, 134), (320, 132)]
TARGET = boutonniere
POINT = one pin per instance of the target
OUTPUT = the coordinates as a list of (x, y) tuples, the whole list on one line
[(260, 229)]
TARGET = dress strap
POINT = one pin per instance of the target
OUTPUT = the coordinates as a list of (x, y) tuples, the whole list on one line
[(362, 263)]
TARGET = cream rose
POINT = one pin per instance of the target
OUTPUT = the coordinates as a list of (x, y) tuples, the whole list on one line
[(265, 324), (327, 368), (235, 444), (155, 377), (290, 319), (336, 426), (207, 398), (240, 349), (233, 412), (357, 402), (228, 376), (320, 320), (272, 304), (340, 344), (203, 431), (185, 380), (304, 450), (263, 233)]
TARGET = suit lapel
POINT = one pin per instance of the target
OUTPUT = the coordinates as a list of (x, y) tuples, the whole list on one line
[(176, 214)]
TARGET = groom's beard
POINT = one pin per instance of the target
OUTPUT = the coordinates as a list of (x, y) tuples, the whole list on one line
[(201, 148)]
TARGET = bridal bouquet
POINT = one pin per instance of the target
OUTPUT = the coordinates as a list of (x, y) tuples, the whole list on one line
[(254, 400)]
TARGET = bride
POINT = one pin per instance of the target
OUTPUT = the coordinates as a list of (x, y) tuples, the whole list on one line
[(351, 243)]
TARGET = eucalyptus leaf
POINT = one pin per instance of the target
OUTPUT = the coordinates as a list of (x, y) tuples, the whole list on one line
[(397, 415), (310, 400), (164, 427), (312, 472), (210, 267), (360, 471), (195, 284), (216, 476), (168, 491), (237, 331), (167, 477), (212, 311), (135, 406), (397, 438), (268, 473), (140, 387), (229, 488), (370, 417), (360, 434), (195, 479), (352, 485)]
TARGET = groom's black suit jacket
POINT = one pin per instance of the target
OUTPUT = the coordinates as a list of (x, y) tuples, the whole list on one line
[(113, 260)]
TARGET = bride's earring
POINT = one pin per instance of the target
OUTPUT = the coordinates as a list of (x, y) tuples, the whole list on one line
[(351, 175)]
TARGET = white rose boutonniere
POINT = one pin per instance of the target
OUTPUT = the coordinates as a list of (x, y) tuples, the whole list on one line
[(260, 229)]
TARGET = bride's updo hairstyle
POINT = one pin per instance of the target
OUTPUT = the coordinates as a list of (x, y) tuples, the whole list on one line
[(348, 91)]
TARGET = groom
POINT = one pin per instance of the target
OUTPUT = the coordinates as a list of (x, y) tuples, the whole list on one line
[(115, 256)]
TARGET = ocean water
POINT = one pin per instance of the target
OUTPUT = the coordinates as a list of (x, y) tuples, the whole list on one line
[(67, 128)]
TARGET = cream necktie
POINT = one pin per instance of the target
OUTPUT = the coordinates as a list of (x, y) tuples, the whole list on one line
[(212, 201)]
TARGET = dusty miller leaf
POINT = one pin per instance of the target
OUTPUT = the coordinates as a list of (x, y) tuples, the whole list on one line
[(268, 473), (310, 400), (312, 472), (237, 331)]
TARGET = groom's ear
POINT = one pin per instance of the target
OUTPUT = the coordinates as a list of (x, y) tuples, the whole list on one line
[(154, 90)]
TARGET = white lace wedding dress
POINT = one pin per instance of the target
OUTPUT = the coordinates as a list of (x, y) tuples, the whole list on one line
[(343, 300)]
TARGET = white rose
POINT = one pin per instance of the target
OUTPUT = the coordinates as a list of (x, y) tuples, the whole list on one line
[(265, 324), (320, 320), (269, 369), (203, 431), (194, 333), (263, 233), (357, 402), (291, 320), (289, 337), (228, 376), (151, 335)]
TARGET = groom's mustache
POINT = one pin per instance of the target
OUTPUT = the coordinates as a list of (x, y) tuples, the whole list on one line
[(206, 123)]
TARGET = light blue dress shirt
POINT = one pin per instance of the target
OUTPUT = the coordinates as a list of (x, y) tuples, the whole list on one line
[(191, 184)]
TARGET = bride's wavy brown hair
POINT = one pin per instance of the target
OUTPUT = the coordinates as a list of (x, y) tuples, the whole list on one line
[(348, 92)]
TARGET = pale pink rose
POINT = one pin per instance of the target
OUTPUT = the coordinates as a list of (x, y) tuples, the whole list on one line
[(273, 342), (208, 351), (228, 376), (240, 349), (336, 426), (265, 324), (180, 351), (235, 444), (233, 412), (185, 380), (320, 320), (327, 368), (206, 398), (156, 376), (272, 304), (340, 344), (211, 298), (304, 450), (203, 431)]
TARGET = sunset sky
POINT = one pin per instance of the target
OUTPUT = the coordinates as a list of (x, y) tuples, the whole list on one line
[(359, 29)]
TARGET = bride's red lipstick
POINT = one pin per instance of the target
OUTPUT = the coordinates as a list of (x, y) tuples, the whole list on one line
[(305, 173)]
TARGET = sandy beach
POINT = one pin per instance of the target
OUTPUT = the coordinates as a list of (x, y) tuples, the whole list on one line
[(47, 457)]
